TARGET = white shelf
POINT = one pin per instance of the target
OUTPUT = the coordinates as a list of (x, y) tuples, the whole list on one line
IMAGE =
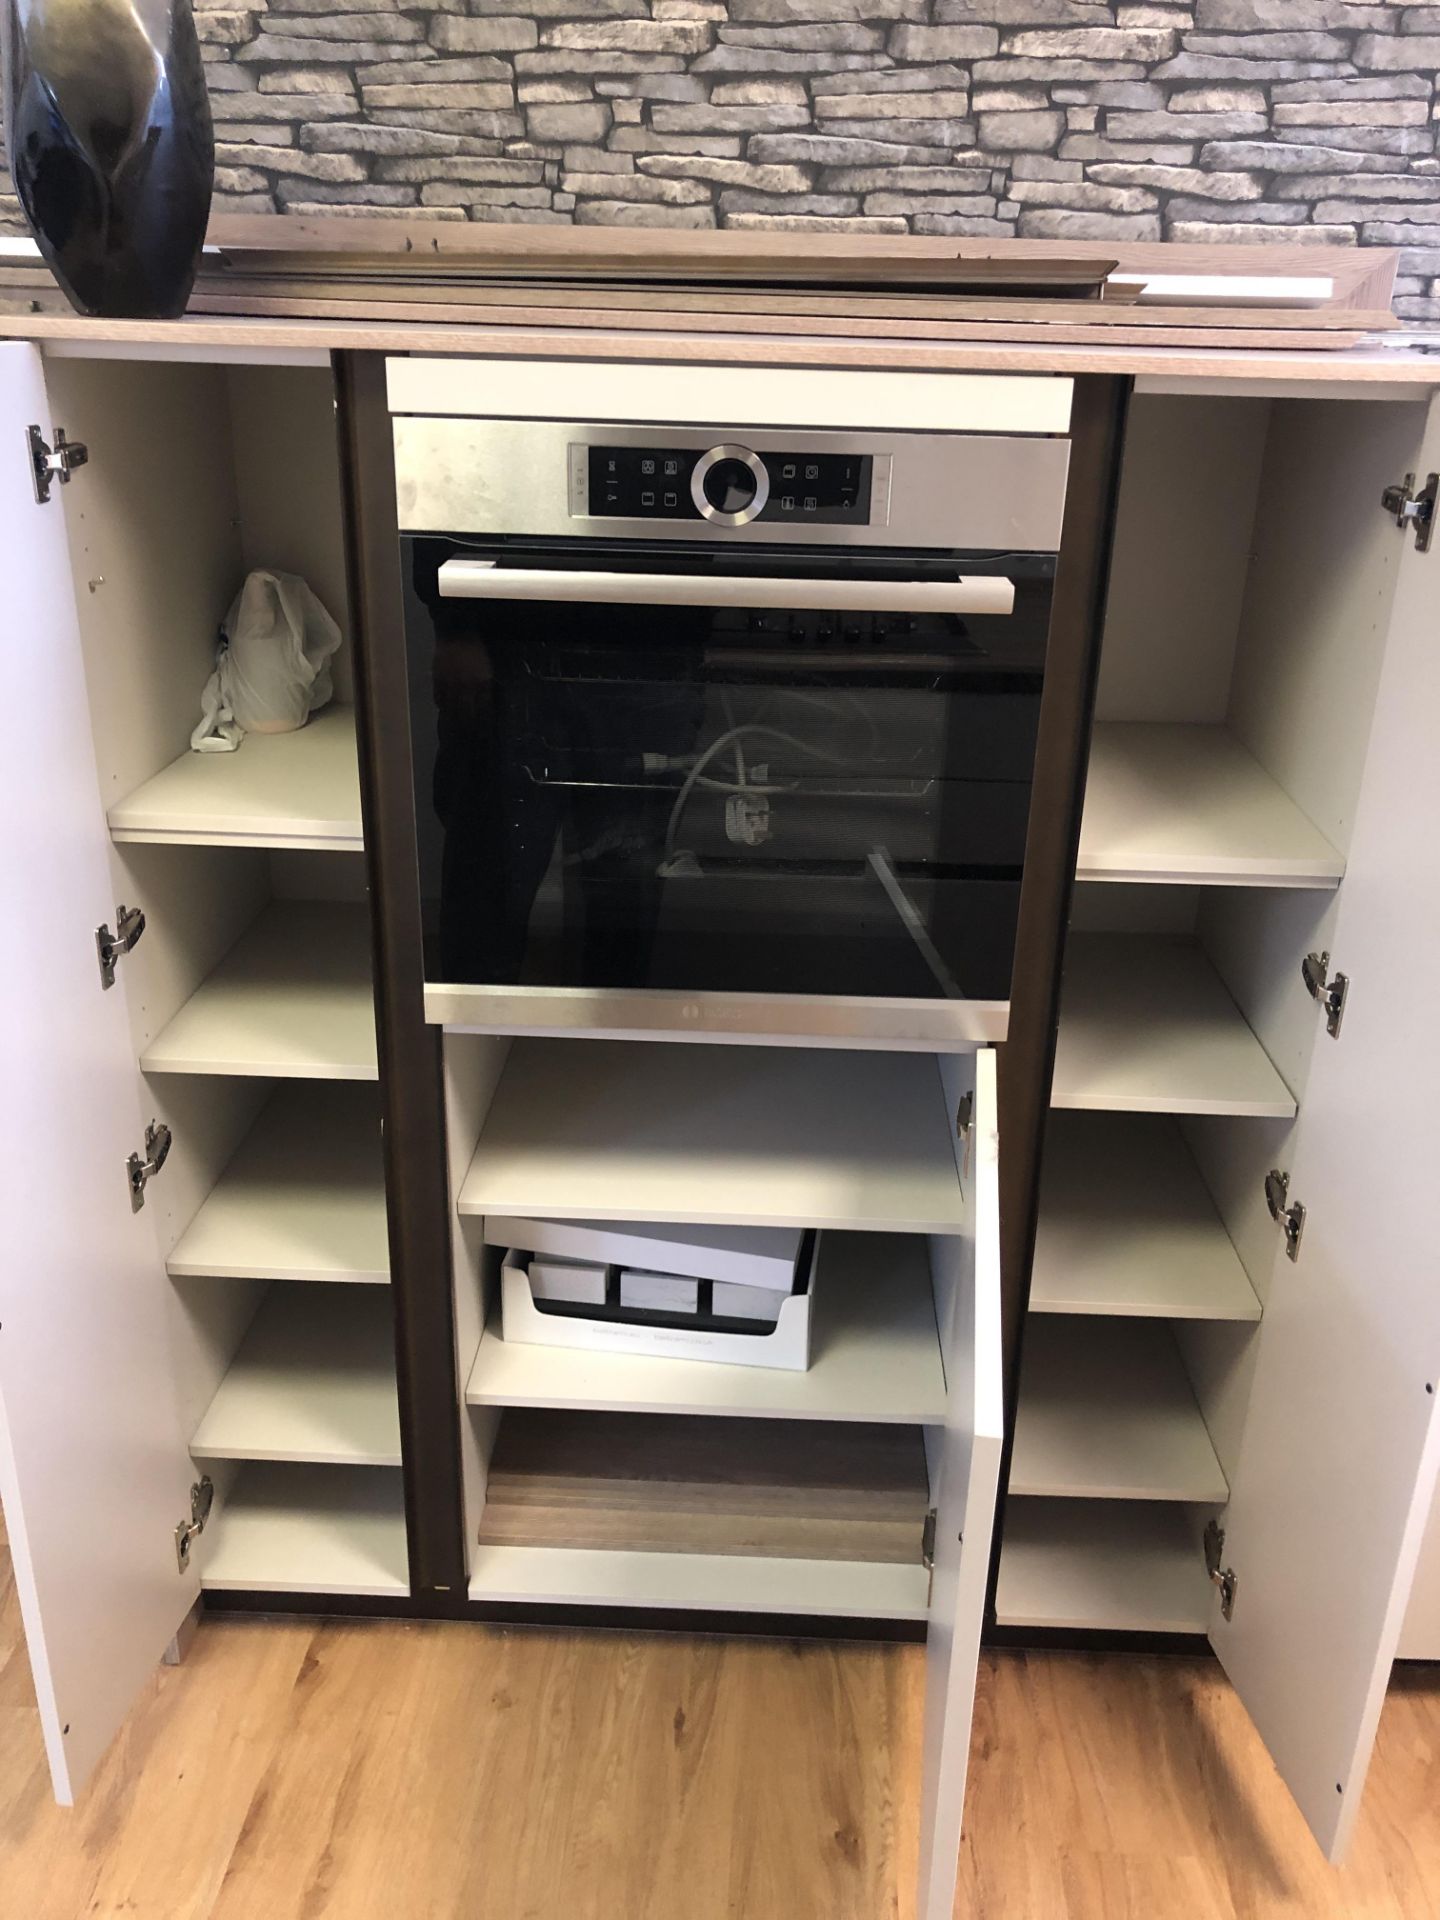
[(730, 1136), (1190, 804), (306, 1529), (1127, 1226), (717, 1583), (1106, 1412), (1146, 1026), (291, 1000), (276, 790), (303, 1198), (875, 1356), (314, 1380), (1114, 1565)]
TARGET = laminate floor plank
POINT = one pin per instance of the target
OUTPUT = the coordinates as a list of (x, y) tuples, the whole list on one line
[(427, 1771)]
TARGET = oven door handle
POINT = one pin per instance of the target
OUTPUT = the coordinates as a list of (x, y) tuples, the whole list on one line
[(484, 580)]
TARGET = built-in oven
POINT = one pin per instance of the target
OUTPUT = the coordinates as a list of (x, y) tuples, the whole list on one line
[(721, 732)]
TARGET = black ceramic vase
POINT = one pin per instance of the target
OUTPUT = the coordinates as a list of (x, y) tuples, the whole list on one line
[(111, 147)]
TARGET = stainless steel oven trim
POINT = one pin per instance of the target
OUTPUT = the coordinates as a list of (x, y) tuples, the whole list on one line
[(463, 478), (786, 1020)]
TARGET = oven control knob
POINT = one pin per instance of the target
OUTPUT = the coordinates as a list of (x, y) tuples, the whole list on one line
[(730, 485)]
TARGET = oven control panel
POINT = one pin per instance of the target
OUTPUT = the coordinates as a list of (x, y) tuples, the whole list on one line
[(728, 484)]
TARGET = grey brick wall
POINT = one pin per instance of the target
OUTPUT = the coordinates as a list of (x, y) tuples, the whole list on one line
[(1044, 118)]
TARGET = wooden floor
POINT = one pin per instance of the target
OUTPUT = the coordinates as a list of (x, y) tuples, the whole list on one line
[(427, 1772)]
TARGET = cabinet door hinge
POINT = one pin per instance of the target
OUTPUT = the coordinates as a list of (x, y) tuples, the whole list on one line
[(927, 1540), (1329, 992), (49, 464), (1223, 1576), (1412, 509), (1287, 1213), (202, 1499), (112, 947), (158, 1141)]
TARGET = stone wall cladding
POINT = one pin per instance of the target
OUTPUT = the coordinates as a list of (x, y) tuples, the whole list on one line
[(1050, 119)]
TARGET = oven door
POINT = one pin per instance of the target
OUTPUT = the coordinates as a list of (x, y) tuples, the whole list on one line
[(776, 796)]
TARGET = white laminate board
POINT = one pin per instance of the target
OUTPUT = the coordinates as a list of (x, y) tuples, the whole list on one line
[(291, 1000), (716, 1583), (739, 396), (876, 1355), (1106, 1412), (1116, 1566), (1127, 1227), (314, 1380), (1189, 803), (297, 789), (1146, 1026), (302, 1199), (308, 1529), (742, 1136)]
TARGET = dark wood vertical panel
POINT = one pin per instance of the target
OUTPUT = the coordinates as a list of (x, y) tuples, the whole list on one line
[(1027, 1059), (411, 1080)]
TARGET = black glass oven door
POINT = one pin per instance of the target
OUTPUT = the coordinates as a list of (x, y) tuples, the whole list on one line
[(780, 773)]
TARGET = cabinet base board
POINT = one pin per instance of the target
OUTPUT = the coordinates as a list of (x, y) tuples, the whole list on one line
[(766, 1626), (1089, 1640)]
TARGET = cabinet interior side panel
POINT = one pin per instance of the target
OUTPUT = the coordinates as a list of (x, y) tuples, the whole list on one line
[(1257, 938), (287, 471), (155, 549), (1318, 597), (1233, 1156), (197, 902), (473, 1065), (1219, 1357), (1183, 533)]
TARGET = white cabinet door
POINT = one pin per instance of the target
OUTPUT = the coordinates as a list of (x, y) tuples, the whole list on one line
[(93, 1469), (1334, 1482), (965, 1474)]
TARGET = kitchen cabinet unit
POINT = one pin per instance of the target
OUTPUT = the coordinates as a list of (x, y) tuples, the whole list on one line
[(250, 1313), (1232, 1351)]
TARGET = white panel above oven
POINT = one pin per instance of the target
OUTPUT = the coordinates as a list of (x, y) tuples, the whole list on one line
[(646, 394)]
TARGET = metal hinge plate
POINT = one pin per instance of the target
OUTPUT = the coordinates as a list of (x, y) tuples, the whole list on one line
[(158, 1141), (927, 1541), (1223, 1576), (1412, 509), (1286, 1213), (110, 948), (202, 1499), (1329, 992), (49, 464)]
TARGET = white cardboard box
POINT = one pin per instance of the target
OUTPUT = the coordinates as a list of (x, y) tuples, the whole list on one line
[(786, 1346), (741, 1256), (576, 1281), (745, 1303), (658, 1292)]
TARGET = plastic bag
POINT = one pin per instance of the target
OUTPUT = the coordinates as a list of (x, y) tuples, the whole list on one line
[(272, 668)]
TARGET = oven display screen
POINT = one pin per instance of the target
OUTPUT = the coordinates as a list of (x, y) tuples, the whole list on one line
[(655, 483)]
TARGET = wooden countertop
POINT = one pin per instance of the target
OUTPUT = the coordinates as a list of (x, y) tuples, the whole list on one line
[(593, 336)]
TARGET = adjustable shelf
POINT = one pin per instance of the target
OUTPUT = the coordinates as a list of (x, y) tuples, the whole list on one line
[(1111, 1565), (297, 789), (1127, 1227), (742, 1136), (309, 1529), (291, 1000), (1190, 804), (314, 1380), (302, 1199), (876, 1355), (1106, 1412), (1146, 1026)]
